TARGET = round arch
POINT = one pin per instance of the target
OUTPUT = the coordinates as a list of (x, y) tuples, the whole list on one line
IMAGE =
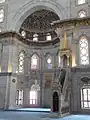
[(33, 6)]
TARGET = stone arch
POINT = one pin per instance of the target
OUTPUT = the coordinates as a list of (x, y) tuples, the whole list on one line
[(35, 53), (33, 6)]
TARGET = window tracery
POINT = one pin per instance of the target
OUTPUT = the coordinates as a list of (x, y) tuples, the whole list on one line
[(84, 55), (85, 97), (34, 93), (34, 62), (21, 61)]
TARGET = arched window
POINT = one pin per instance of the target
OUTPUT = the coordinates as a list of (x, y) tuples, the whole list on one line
[(34, 62), (82, 14), (21, 61), (83, 47), (85, 97), (23, 33), (35, 37), (48, 37), (81, 2), (1, 15), (49, 61), (2, 1), (34, 93)]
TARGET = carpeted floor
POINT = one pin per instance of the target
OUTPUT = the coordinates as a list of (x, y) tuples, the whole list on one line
[(12, 115)]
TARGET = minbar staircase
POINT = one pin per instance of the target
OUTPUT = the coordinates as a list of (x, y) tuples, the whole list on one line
[(64, 81)]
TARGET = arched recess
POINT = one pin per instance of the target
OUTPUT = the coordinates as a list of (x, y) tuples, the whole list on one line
[(55, 102), (33, 6)]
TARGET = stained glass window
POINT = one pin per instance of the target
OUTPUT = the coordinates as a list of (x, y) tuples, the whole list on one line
[(84, 55), (21, 62), (34, 62), (85, 97), (1, 15), (82, 14), (81, 1)]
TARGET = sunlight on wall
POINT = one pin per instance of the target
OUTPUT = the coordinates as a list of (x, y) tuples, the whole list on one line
[(9, 68), (0, 68), (73, 61)]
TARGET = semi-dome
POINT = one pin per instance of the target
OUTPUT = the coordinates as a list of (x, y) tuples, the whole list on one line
[(37, 26)]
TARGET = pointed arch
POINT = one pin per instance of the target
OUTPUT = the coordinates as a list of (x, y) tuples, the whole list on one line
[(82, 13), (33, 94), (35, 61)]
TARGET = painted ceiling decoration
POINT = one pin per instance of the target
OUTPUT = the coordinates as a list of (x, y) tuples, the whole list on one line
[(39, 23)]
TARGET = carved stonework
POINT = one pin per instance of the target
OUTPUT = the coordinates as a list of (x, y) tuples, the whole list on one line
[(47, 83), (85, 79), (34, 74), (56, 85)]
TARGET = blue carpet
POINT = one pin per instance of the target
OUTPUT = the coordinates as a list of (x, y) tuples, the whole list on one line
[(76, 117), (10, 115)]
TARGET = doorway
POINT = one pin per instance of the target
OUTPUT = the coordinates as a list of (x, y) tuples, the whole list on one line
[(55, 102)]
